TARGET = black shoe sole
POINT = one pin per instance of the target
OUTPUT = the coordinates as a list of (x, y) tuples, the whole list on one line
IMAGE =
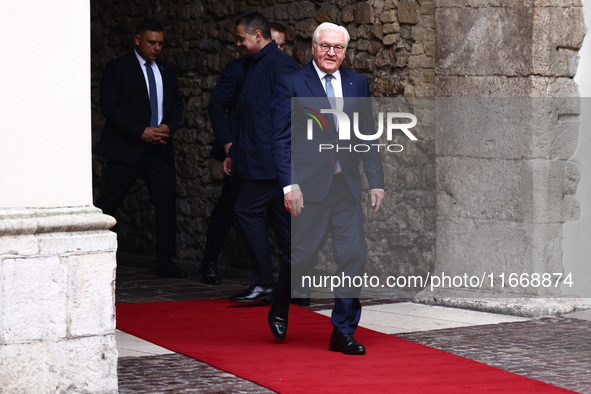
[(339, 349)]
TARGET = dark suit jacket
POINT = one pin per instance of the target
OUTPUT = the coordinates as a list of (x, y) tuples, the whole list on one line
[(125, 104), (298, 160), (251, 152), (222, 106)]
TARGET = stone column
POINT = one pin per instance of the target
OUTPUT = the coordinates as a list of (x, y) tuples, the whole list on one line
[(57, 257), (503, 139)]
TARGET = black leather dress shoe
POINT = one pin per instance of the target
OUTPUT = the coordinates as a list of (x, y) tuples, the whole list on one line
[(169, 269), (345, 344), (254, 293), (209, 273), (277, 324)]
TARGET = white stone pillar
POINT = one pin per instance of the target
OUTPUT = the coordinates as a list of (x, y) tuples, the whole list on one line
[(57, 257)]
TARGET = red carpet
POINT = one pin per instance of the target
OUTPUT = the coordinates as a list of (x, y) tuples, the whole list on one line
[(235, 338)]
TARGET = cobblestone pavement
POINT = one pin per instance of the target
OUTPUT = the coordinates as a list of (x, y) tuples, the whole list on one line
[(556, 350)]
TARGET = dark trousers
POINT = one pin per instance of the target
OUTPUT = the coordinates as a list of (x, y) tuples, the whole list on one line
[(253, 200), (341, 216), (160, 177), (220, 221)]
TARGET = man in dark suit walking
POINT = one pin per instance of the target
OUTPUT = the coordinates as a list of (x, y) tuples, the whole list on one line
[(142, 106), (327, 181), (250, 160), (223, 116)]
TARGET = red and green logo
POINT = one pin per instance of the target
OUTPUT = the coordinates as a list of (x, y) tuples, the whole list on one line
[(318, 118)]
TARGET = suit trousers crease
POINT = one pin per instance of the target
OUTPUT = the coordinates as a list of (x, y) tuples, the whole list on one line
[(339, 215), (159, 174), (255, 198)]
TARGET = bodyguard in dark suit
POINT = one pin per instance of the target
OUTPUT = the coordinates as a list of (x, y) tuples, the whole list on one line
[(223, 114), (327, 182), (250, 160), (142, 106)]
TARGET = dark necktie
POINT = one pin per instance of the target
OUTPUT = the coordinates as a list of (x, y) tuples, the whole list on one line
[(153, 95)]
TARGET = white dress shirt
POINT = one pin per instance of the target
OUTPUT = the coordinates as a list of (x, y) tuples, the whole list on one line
[(158, 78)]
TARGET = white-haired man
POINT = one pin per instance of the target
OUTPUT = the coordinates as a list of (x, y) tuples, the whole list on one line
[(329, 182)]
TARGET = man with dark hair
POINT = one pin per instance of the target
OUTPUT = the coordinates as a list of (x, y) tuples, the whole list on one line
[(250, 160), (278, 35), (142, 106)]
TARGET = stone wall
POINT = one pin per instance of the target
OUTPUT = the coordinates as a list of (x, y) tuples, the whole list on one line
[(392, 43)]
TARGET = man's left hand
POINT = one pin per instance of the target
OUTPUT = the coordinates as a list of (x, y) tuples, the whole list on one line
[(377, 197)]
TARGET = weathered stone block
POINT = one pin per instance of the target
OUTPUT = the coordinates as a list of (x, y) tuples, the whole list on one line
[(425, 90), (554, 127), (390, 39), (364, 13), (486, 86), (572, 177), (384, 57), (557, 3), (62, 243), (301, 10), (389, 16), (481, 3), (306, 28), (543, 190), (19, 245), (391, 28), (374, 47), (553, 87), (348, 14), (427, 8), (408, 12), (484, 247), (483, 127), (529, 191), (421, 61), (417, 48), (484, 41), (428, 21), (328, 13), (570, 209), (220, 8), (91, 294), (83, 365), (416, 77), (557, 37), (462, 193), (390, 4), (34, 297)]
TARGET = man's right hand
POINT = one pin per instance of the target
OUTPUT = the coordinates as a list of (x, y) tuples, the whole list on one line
[(227, 165), (294, 202), (227, 148), (154, 136)]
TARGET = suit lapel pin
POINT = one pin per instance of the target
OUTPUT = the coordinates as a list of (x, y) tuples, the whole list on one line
[(351, 83)]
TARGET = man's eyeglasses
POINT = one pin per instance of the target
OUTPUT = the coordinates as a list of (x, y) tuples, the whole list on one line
[(326, 47)]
